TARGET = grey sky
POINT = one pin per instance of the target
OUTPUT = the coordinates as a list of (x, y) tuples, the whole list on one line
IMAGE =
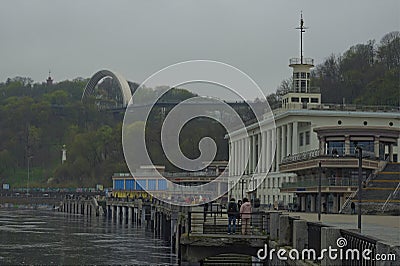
[(136, 38)]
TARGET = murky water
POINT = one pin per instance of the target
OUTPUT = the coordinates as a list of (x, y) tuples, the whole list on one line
[(46, 237)]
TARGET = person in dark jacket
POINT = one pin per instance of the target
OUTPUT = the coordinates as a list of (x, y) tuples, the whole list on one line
[(232, 212)]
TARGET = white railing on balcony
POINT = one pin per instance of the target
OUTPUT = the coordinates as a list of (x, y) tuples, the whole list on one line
[(297, 61), (334, 152), (301, 156)]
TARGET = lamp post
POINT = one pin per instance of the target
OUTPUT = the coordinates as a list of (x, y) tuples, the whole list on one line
[(359, 149), (27, 183), (242, 187), (319, 190)]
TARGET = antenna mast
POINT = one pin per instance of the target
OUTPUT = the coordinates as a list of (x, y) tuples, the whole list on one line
[(302, 29)]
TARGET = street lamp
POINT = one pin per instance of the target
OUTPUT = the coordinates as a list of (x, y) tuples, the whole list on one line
[(359, 150), (27, 183), (242, 187), (319, 190)]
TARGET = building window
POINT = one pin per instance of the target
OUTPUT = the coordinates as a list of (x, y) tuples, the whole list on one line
[(296, 75), (269, 183), (303, 75), (366, 146), (141, 184), (269, 199), (284, 199), (308, 75), (264, 200), (295, 99), (278, 182), (314, 100), (335, 148), (264, 183), (273, 183), (151, 184), (301, 139), (308, 138), (304, 100), (303, 86), (296, 85), (130, 184), (119, 184)]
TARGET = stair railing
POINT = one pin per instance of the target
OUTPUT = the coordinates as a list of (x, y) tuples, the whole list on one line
[(367, 180), (346, 203), (391, 195)]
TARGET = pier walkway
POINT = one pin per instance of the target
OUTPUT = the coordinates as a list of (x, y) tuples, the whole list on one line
[(384, 227)]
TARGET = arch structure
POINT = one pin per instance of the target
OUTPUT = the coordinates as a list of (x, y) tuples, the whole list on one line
[(124, 93)]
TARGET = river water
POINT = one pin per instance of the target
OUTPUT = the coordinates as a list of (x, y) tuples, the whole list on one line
[(47, 237)]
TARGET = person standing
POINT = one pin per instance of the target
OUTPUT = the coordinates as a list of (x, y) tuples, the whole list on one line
[(232, 212), (353, 208), (245, 213)]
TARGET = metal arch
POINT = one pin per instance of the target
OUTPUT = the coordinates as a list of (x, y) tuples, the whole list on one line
[(122, 83)]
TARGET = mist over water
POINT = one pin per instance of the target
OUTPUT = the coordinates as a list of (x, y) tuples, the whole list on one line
[(46, 237)]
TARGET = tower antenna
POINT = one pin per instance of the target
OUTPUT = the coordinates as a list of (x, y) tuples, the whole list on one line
[(302, 29)]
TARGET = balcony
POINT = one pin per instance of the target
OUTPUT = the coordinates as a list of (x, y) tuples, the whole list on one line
[(297, 61), (311, 159), (336, 184)]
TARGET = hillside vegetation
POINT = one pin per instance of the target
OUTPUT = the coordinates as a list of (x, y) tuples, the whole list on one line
[(36, 120)]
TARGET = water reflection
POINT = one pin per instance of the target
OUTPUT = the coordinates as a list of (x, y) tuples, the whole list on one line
[(40, 237)]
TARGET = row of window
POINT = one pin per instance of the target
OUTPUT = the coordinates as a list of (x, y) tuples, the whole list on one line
[(267, 183), (302, 75), (140, 184), (271, 199), (304, 100)]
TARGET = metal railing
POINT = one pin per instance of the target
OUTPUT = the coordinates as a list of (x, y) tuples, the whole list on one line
[(391, 195), (296, 61), (216, 222), (367, 180), (328, 182), (356, 241), (314, 236), (350, 198), (302, 156)]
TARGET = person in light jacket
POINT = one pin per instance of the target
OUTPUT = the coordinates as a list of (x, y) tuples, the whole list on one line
[(245, 213)]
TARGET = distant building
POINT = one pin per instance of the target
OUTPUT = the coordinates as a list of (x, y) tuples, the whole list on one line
[(147, 180), (49, 80)]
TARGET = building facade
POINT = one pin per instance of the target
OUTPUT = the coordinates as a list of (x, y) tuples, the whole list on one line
[(305, 128)]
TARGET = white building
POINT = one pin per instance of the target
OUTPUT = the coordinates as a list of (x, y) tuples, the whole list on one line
[(294, 135)]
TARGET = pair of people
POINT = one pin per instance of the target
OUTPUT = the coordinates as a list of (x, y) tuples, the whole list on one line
[(245, 214)]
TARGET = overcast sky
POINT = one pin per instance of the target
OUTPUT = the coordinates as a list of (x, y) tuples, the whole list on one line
[(76, 38)]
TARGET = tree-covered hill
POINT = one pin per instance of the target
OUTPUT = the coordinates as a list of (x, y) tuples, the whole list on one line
[(36, 120)]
